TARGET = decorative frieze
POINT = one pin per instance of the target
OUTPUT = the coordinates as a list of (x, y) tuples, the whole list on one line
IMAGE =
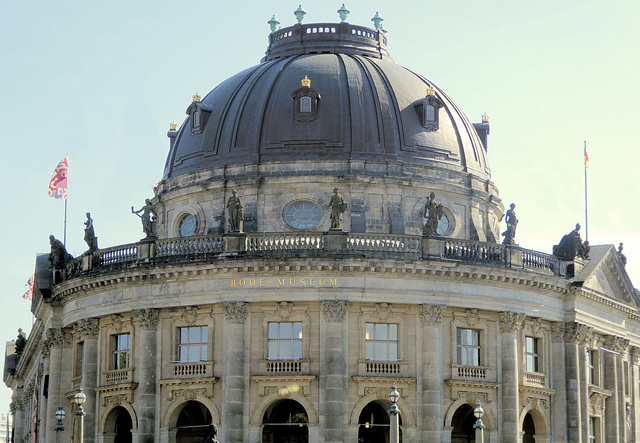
[(334, 310), (597, 402), (577, 333), (538, 403), (473, 397), (147, 318), (510, 322), (431, 314), (190, 315), (116, 399), (86, 327), (235, 312), (187, 394), (615, 343)]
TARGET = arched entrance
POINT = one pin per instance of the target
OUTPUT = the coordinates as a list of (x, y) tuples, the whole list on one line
[(119, 425), (528, 429), (193, 423), (285, 421), (462, 423), (374, 424)]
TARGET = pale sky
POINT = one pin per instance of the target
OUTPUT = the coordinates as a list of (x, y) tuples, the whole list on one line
[(101, 81)]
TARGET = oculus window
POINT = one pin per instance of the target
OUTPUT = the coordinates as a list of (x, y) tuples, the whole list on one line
[(187, 226), (303, 215)]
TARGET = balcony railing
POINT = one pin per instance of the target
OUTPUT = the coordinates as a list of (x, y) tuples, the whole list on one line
[(281, 366), (382, 367), (117, 376), (314, 244), (536, 379), (469, 372)]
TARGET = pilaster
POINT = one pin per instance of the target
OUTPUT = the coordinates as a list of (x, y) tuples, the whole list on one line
[(575, 336), (431, 318), (52, 347), (510, 323), (558, 371), (87, 331), (147, 322)]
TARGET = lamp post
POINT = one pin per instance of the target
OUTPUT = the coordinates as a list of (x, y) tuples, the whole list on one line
[(60, 415), (394, 428), (80, 399), (479, 426)]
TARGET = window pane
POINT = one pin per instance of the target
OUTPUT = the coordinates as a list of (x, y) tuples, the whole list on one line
[(369, 349), (194, 335), (381, 331), (431, 113), (380, 351), (476, 357), (297, 349), (203, 355), (286, 330), (305, 104), (393, 332), (297, 330), (194, 353), (273, 350), (285, 350), (393, 351), (369, 331), (475, 337), (184, 335), (205, 334), (273, 330)]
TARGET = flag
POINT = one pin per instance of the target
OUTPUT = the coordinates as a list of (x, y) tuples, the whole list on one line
[(58, 183), (29, 294), (586, 158)]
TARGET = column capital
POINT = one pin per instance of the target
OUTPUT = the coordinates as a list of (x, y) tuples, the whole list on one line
[(147, 318), (577, 333), (634, 353), (557, 331), (334, 310), (510, 322), (235, 311), (86, 327), (431, 314), (615, 343)]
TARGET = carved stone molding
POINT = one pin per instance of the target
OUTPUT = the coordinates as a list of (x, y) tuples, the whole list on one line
[(431, 314), (597, 403), (117, 320), (535, 325), (235, 312), (383, 310), (510, 322), (116, 399), (86, 327), (188, 394), (13, 407), (284, 308), (147, 318), (334, 310), (472, 316), (473, 397), (634, 353), (577, 333), (190, 315), (54, 338), (615, 343), (537, 403), (557, 331)]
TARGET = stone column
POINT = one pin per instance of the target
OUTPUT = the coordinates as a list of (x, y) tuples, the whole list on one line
[(620, 345), (634, 361), (52, 346), (233, 373), (86, 330), (45, 421), (558, 370), (17, 410), (147, 320), (575, 335), (333, 370), (431, 317), (584, 389), (510, 324), (611, 410)]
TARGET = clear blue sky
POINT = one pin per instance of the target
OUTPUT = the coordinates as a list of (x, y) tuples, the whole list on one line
[(101, 81)]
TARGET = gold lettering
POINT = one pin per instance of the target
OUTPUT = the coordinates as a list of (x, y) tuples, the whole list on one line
[(281, 282), (302, 281), (262, 282), (322, 281), (252, 282), (292, 282), (233, 283), (312, 282), (242, 283), (333, 282)]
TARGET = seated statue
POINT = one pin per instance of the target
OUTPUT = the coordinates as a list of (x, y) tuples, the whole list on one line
[(59, 255), (571, 246)]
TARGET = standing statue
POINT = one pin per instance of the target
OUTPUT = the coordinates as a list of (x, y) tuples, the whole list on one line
[(433, 213), (571, 246), (338, 206), (236, 212), (59, 255), (147, 216), (21, 341), (623, 258), (512, 222), (89, 235)]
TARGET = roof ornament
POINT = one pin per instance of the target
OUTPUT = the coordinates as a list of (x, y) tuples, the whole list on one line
[(300, 13), (306, 82), (344, 13), (431, 90), (173, 126), (273, 23), (485, 118), (196, 97), (377, 21)]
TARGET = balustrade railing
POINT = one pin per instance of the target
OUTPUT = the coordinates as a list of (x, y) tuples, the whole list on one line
[(382, 367), (189, 369), (284, 365), (284, 242), (385, 243), (539, 261), (534, 379), (189, 246), (118, 254), (468, 250), (475, 372), (117, 376)]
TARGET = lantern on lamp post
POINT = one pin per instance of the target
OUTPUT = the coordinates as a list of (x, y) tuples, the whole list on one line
[(394, 412), (479, 426), (80, 398)]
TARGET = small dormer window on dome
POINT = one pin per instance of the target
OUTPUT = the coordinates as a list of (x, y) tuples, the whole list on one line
[(428, 110), (306, 102), (198, 113)]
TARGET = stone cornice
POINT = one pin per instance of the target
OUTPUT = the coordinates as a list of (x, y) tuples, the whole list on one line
[(116, 388), (189, 381)]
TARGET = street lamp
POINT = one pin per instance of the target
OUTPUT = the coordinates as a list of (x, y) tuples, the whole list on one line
[(60, 415), (479, 426), (80, 399), (393, 411)]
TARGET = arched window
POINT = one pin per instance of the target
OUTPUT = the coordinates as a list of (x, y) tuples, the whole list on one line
[(193, 423), (119, 425), (285, 421), (430, 114), (462, 424), (305, 104), (528, 430), (374, 424)]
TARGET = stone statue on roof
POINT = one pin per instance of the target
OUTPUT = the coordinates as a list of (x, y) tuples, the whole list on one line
[(58, 255), (236, 212), (433, 213), (338, 206), (571, 246), (148, 217), (512, 223)]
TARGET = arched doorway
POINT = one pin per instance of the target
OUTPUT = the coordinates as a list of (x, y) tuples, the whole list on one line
[(193, 423), (119, 425), (285, 421), (528, 429), (374, 424), (462, 423)]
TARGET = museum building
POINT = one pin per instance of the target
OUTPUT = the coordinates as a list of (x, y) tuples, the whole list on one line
[(292, 272)]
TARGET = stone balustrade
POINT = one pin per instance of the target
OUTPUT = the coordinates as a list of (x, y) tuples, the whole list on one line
[(117, 376), (469, 372), (282, 366), (382, 367)]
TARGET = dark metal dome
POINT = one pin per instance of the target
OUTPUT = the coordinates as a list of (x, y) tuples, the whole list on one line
[(368, 108)]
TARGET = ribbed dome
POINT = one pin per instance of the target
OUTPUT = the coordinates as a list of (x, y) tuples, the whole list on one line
[(368, 108)]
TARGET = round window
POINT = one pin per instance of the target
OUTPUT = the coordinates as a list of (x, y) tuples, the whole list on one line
[(443, 224), (303, 215), (187, 226)]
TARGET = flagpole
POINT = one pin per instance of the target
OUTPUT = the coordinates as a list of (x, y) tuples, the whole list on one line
[(586, 211), (64, 242)]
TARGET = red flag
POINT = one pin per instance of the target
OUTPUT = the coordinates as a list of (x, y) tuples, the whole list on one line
[(29, 294), (58, 183), (586, 158)]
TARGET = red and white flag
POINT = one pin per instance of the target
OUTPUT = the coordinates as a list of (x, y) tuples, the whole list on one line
[(29, 294), (58, 183)]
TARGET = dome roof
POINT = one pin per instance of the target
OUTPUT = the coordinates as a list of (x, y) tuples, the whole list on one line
[(368, 108)]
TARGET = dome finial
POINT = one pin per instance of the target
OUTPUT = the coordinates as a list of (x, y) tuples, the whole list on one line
[(306, 82), (300, 13), (196, 97), (431, 90), (343, 12), (485, 118), (173, 126), (273, 23), (377, 21)]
